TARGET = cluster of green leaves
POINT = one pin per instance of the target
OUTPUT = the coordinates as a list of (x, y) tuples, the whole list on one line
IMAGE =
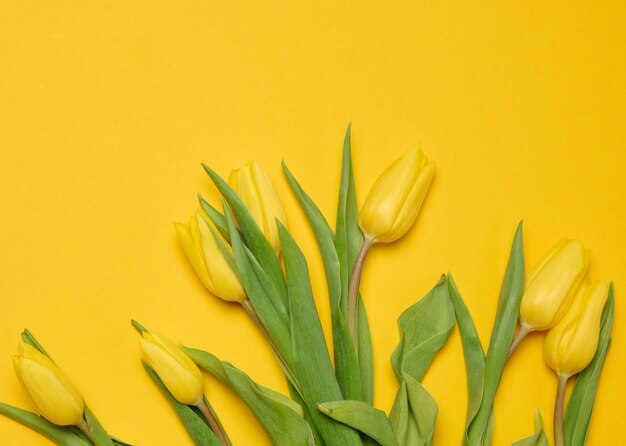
[(285, 307), (61, 435), (485, 371)]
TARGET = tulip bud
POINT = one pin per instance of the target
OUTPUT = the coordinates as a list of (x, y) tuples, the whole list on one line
[(571, 344), (53, 394), (552, 285), (178, 372), (199, 242), (255, 189), (394, 201)]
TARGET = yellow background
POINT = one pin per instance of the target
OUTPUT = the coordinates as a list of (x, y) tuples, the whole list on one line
[(108, 108)]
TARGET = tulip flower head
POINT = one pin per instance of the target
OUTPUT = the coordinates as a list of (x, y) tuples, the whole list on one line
[(552, 285), (571, 344), (255, 189), (394, 201), (199, 241), (52, 392), (178, 372)]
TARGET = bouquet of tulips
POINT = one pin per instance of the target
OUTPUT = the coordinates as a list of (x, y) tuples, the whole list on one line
[(243, 253)]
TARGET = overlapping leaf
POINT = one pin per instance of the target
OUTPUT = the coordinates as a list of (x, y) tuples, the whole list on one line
[(312, 360), (279, 415), (424, 329), (363, 417)]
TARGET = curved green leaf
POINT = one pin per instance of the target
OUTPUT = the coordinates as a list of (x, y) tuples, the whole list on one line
[(474, 355), (279, 415), (580, 405), (424, 329), (362, 417)]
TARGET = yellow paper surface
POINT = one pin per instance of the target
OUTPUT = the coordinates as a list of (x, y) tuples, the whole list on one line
[(107, 110)]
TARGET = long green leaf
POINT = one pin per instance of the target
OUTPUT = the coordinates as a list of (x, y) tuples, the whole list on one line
[(348, 242), (312, 360), (362, 417), (253, 235), (279, 415), (538, 438), (346, 357), (62, 436), (474, 355), (580, 405), (501, 336), (199, 431), (260, 291)]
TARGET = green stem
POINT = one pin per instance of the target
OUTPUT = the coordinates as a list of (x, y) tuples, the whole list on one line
[(213, 423), (286, 366), (353, 291), (519, 337), (85, 428), (558, 411)]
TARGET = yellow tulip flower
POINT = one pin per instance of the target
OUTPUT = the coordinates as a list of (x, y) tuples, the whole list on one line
[(255, 189), (178, 372), (198, 240), (52, 392), (553, 284), (394, 201), (571, 344)]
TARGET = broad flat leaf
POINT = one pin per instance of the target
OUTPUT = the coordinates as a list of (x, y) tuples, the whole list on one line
[(580, 405), (253, 235), (362, 417), (538, 438), (474, 355), (501, 336), (424, 329), (312, 360), (200, 433), (62, 436), (98, 433), (279, 415)]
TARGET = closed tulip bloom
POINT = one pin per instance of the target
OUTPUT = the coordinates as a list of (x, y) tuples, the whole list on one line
[(571, 344), (53, 394), (178, 372), (394, 201), (199, 242), (255, 189), (553, 284)]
